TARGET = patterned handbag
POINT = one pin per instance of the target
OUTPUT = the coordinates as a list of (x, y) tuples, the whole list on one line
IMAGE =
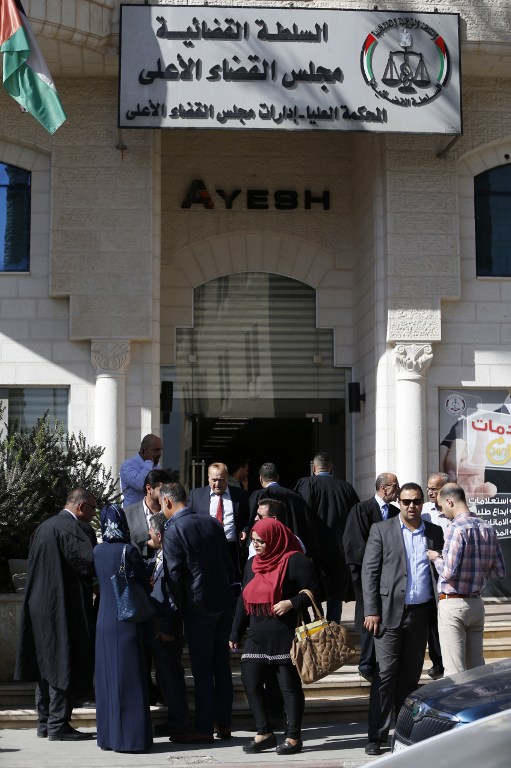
[(133, 602), (319, 647)]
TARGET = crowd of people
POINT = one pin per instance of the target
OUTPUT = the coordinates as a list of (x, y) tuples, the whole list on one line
[(227, 571)]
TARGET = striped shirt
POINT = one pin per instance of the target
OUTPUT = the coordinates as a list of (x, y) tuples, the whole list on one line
[(471, 555)]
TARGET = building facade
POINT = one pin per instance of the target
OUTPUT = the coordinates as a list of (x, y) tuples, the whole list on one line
[(158, 300)]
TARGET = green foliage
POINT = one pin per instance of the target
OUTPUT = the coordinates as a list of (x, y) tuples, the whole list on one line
[(37, 470)]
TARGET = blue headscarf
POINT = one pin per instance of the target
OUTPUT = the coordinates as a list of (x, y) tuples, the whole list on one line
[(114, 526)]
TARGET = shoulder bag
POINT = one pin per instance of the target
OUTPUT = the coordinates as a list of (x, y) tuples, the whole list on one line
[(133, 602), (320, 646)]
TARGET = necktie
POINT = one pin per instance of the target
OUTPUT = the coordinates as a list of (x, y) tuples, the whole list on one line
[(220, 510), (384, 511)]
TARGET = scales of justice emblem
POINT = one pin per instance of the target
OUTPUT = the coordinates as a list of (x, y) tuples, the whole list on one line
[(412, 68), (406, 74)]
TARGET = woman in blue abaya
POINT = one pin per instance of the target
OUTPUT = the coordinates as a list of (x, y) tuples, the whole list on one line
[(122, 696)]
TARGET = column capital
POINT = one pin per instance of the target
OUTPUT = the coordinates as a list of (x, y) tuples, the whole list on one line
[(412, 360), (110, 358)]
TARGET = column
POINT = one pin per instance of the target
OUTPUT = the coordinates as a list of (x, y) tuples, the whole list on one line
[(412, 362), (110, 360)]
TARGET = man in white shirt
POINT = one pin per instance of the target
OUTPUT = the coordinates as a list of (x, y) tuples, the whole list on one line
[(134, 470), (229, 505)]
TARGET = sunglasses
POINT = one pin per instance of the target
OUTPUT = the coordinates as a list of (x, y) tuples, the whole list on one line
[(407, 502)]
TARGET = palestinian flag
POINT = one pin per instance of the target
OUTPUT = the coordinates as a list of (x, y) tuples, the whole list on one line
[(26, 76)]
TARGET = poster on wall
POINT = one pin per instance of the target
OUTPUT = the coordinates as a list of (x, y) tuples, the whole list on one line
[(281, 68), (475, 451)]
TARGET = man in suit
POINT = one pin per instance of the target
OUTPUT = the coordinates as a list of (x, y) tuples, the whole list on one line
[(229, 505), (139, 514), (294, 513), (399, 597), (165, 639), (330, 500), (199, 574), (55, 645), (362, 516), (134, 470)]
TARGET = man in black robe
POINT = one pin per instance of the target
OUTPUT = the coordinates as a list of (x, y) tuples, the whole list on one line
[(331, 500), (295, 513), (55, 645)]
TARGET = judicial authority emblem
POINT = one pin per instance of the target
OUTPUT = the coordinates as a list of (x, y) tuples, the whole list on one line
[(406, 62)]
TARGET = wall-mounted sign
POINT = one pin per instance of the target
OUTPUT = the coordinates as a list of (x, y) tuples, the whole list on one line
[(255, 199), (475, 450), (289, 69)]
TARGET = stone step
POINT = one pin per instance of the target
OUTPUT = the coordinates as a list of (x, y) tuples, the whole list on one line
[(341, 695)]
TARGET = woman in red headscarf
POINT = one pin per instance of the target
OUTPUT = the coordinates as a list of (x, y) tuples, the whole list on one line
[(268, 606)]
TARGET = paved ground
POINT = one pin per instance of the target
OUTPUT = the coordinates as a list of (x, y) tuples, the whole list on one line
[(334, 746)]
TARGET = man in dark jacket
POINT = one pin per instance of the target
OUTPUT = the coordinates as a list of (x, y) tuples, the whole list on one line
[(399, 586), (230, 507), (361, 518), (199, 574), (295, 512), (55, 645)]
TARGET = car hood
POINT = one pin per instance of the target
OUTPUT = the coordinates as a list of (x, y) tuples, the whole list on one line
[(470, 695)]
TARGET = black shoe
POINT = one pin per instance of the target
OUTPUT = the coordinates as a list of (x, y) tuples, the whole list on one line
[(42, 733), (373, 748), (258, 746), (71, 735), (436, 672), (289, 749), (223, 732)]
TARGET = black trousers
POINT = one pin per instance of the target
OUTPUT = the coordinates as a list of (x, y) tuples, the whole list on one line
[(54, 708), (367, 654), (254, 674), (435, 652), (399, 661)]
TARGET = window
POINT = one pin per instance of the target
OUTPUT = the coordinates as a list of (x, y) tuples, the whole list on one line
[(24, 406), (14, 219), (492, 197)]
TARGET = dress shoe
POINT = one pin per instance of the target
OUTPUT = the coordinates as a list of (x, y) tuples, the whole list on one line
[(436, 672), (258, 746), (223, 732), (289, 749), (42, 734), (373, 748), (191, 737), (71, 735)]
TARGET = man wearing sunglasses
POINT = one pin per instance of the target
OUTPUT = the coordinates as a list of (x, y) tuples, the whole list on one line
[(399, 597)]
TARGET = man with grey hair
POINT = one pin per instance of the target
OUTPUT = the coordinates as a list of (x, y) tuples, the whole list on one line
[(199, 575), (360, 519), (229, 505)]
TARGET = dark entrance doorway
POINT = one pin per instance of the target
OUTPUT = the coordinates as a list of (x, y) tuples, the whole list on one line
[(255, 379)]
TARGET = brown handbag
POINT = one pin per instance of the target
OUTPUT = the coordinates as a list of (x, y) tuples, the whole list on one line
[(319, 647)]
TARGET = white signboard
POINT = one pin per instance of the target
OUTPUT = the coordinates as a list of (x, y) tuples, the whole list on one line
[(289, 68)]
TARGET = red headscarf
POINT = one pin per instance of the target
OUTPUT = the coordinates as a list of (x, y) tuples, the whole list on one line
[(265, 589)]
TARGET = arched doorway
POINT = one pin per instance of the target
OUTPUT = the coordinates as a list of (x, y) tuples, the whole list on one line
[(254, 379)]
